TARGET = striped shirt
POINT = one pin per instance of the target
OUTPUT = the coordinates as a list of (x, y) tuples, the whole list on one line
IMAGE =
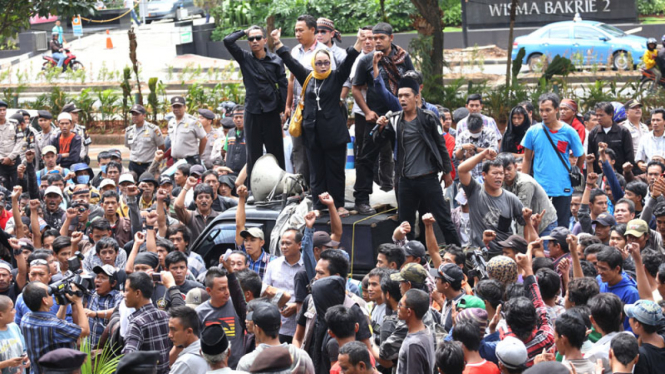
[(43, 333), (149, 331)]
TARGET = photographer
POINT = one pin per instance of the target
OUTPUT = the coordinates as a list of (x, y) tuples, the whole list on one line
[(44, 332), (102, 302), (39, 271)]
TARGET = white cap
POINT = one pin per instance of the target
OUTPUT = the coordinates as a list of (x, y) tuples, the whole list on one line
[(64, 115), (53, 189), (126, 177), (106, 182)]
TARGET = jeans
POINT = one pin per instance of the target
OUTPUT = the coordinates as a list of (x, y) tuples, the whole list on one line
[(60, 57), (656, 71), (135, 18), (562, 206), (424, 194)]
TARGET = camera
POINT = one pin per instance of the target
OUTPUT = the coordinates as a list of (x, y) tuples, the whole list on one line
[(84, 283), (477, 257)]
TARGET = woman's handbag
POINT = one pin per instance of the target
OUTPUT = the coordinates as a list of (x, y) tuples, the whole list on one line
[(295, 127)]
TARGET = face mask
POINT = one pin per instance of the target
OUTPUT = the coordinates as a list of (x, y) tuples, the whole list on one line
[(83, 179), (475, 136), (104, 168)]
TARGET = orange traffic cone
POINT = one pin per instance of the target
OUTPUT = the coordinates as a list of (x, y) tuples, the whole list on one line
[(109, 43)]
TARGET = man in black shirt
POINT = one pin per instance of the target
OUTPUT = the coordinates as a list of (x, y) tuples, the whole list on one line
[(421, 154), (265, 84), (391, 67), (56, 50), (616, 137), (176, 263)]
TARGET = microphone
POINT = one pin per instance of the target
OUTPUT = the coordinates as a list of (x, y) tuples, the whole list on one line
[(388, 116)]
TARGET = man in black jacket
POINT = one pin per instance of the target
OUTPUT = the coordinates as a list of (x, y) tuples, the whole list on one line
[(421, 154), (266, 88), (616, 137)]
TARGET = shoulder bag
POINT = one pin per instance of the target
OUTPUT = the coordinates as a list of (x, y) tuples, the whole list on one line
[(573, 171), (295, 127)]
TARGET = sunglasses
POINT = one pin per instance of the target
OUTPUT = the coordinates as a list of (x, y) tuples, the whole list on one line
[(322, 31), (82, 209), (322, 63), (254, 38)]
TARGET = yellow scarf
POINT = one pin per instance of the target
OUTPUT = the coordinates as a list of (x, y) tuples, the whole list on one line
[(316, 74)]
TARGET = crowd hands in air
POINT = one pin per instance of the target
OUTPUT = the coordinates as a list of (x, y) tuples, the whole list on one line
[(539, 248)]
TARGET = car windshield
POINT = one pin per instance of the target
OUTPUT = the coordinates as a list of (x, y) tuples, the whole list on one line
[(611, 30)]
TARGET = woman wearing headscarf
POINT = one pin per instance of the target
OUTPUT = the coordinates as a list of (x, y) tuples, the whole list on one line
[(518, 124), (324, 118)]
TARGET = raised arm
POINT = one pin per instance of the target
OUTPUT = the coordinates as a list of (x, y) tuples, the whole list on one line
[(380, 87), (70, 214), (464, 169), (21, 264), (430, 240), (299, 71), (335, 220), (33, 187), (139, 239), (134, 212), (575, 256), (180, 209), (233, 48), (643, 287), (34, 223), (308, 245), (240, 214), (151, 239), (161, 212), (16, 212)]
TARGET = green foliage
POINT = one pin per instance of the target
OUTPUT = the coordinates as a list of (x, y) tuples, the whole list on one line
[(517, 62), (153, 101), (650, 7), (103, 363), (126, 92), (108, 105), (85, 101), (17, 13), (452, 12), (559, 66)]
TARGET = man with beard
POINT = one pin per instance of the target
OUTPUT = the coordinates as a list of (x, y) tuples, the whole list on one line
[(420, 155), (196, 220), (266, 89), (393, 65)]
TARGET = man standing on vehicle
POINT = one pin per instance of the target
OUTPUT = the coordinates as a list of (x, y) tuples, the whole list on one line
[(56, 49), (265, 83)]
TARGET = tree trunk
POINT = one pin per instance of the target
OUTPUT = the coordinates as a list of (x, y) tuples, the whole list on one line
[(513, 9), (432, 13), (270, 25)]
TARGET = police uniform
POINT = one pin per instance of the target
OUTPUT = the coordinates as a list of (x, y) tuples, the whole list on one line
[(12, 140), (142, 142), (185, 135), (236, 152), (212, 136)]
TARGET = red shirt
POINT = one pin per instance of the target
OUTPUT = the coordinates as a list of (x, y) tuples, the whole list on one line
[(450, 145), (4, 217), (485, 367), (579, 127)]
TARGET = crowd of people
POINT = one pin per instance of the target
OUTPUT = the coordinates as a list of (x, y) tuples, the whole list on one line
[(539, 248)]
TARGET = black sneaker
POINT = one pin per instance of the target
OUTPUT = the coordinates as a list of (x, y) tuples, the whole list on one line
[(365, 209)]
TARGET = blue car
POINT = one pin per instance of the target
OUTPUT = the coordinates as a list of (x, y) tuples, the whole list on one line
[(583, 42)]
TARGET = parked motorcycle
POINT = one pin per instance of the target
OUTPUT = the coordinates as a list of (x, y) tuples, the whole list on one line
[(69, 63)]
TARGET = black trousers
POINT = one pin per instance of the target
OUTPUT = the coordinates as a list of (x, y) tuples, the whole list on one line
[(326, 171), (360, 132), (562, 206), (299, 158), (425, 195), (384, 168), (261, 130), (369, 154), (8, 175), (138, 167)]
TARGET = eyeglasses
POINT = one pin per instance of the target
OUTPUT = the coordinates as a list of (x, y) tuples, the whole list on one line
[(322, 63), (321, 31), (254, 38), (82, 209)]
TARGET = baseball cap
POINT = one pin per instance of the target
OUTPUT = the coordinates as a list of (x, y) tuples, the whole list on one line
[(606, 219), (645, 311), (632, 104), (197, 169), (115, 153), (177, 100), (410, 273), (470, 302), (267, 317), (636, 227), (450, 273), (106, 269), (414, 248), (322, 239), (126, 177), (165, 179), (106, 182), (214, 340), (515, 242), (196, 297), (559, 234), (49, 148), (512, 353), (53, 189), (254, 232), (138, 108), (548, 367)]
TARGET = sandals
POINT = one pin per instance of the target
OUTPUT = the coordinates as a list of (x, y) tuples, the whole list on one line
[(342, 212)]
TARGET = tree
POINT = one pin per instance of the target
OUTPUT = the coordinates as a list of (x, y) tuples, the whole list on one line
[(513, 9), (432, 13), (17, 13)]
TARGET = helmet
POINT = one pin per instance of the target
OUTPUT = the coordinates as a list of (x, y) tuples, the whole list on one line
[(651, 41), (663, 39), (619, 112), (226, 106)]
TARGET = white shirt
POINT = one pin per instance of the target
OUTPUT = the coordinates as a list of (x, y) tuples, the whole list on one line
[(281, 274), (488, 123), (636, 131), (650, 146)]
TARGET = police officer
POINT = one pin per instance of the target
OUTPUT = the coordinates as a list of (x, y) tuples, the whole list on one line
[(143, 139), (188, 140), (46, 135), (63, 361), (206, 118), (12, 140), (79, 130), (30, 136), (235, 148)]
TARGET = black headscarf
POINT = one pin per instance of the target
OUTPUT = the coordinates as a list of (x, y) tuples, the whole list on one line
[(326, 293), (514, 134)]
